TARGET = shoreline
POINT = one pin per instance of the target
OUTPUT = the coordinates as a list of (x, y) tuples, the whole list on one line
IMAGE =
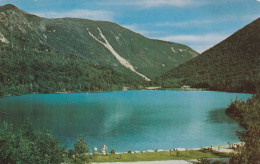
[(141, 89), (167, 157), (221, 149)]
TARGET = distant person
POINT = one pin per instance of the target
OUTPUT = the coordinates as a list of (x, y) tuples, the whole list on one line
[(95, 149), (103, 149), (211, 147)]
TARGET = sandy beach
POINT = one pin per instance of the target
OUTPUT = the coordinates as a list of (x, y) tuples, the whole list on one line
[(192, 161)]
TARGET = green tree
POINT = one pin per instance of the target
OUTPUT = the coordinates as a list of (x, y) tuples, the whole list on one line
[(249, 114), (250, 152), (81, 146), (28, 146)]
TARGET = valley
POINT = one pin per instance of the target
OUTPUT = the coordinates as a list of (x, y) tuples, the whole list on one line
[(125, 58)]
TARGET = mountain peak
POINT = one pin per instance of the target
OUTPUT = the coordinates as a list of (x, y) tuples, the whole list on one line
[(104, 43), (9, 6), (12, 9), (231, 65)]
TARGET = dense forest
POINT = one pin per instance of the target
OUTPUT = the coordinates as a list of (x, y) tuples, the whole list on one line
[(29, 146), (24, 72), (40, 55), (248, 114), (232, 65)]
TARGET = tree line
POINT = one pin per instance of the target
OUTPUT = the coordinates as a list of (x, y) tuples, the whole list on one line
[(248, 114), (26, 145), (32, 71)]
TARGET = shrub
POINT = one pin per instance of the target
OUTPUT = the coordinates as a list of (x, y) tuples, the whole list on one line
[(27, 145), (81, 146), (113, 151), (249, 113)]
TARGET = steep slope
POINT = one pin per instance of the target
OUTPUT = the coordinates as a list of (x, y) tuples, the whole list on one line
[(48, 72), (232, 65), (121, 60), (39, 55), (149, 58)]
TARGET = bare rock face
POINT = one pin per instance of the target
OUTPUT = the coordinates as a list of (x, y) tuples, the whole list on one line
[(145, 57), (3, 39), (40, 55)]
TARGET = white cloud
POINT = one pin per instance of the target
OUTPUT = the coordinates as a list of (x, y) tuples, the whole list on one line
[(158, 3), (198, 42), (88, 14), (258, 0), (213, 21), (186, 23), (136, 28), (194, 38), (251, 17), (177, 3)]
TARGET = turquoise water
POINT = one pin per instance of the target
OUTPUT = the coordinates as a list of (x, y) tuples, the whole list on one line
[(130, 120)]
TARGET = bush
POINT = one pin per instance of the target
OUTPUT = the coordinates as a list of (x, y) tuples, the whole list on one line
[(81, 146), (113, 151), (28, 146), (250, 153), (234, 109), (204, 161), (249, 113)]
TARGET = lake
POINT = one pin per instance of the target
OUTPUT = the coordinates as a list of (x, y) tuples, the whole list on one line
[(130, 120)]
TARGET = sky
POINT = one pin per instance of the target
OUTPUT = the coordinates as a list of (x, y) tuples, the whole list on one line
[(199, 24)]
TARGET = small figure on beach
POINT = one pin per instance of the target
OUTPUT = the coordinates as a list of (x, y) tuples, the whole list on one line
[(95, 149), (103, 149), (211, 147)]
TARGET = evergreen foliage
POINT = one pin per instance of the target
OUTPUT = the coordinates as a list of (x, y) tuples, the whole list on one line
[(25, 72), (58, 55), (232, 65), (249, 116), (81, 146), (28, 146)]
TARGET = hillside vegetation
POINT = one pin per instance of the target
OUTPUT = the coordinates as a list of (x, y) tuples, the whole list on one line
[(65, 41), (248, 114), (26, 145), (46, 72), (231, 65), (40, 55)]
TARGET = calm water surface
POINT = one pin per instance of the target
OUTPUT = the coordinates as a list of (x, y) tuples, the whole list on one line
[(130, 120)]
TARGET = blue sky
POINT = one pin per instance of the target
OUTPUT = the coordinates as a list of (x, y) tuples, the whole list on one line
[(199, 24)]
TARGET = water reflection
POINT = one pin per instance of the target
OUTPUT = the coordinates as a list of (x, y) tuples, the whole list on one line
[(132, 120), (218, 116)]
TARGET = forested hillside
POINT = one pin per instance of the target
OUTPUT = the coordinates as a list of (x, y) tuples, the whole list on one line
[(44, 72), (231, 65), (72, 55)]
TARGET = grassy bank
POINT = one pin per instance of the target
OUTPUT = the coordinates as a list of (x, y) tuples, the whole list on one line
[(153, 156)]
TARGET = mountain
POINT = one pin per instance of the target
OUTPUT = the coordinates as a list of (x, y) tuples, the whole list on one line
[(231, 65), (69, 54)]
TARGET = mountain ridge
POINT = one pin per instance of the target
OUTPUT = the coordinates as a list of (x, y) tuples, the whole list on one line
[(231, 65), (41, 55), (127, 47)]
